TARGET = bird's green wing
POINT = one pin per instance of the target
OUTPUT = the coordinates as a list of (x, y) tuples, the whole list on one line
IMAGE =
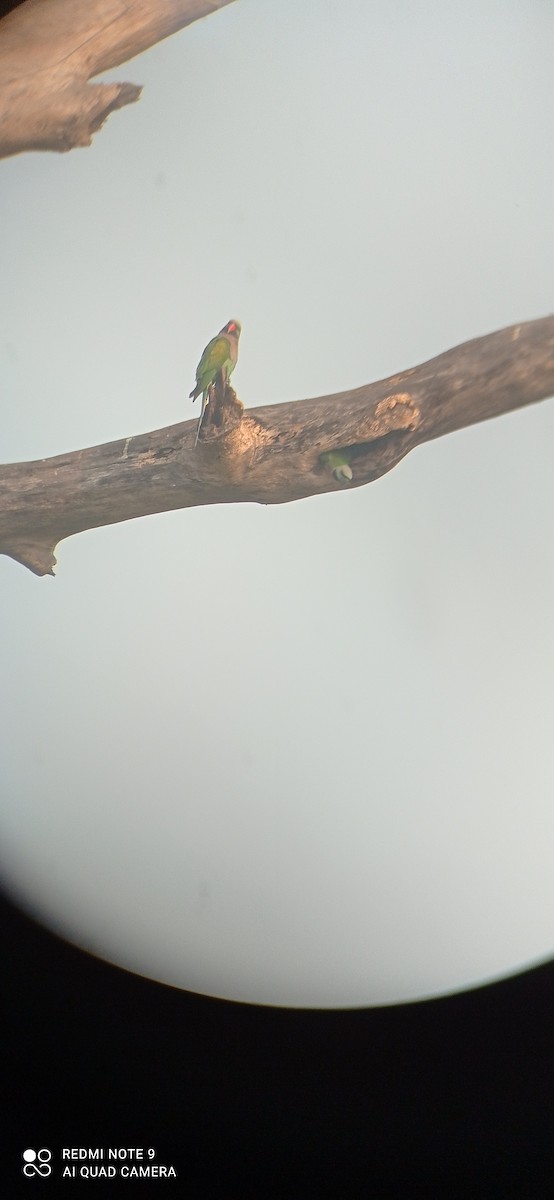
[(214, 357)]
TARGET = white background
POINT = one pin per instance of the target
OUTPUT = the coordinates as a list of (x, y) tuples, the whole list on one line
[(295, 755)]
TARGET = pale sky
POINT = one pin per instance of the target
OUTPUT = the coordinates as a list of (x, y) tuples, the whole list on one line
[(294, 755)]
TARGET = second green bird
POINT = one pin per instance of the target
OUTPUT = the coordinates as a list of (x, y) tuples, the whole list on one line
[(220, 355)]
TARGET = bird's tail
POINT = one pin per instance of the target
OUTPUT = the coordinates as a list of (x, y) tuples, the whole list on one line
[(205, 400)]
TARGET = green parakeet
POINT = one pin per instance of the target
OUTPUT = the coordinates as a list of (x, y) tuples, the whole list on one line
[(220, 355), (339, 462)]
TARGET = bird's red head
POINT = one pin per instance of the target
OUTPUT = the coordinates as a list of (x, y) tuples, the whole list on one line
[(233, 327)]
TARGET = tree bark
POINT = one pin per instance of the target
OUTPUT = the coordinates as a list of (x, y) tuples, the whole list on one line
[(50, 49), (274, 454)]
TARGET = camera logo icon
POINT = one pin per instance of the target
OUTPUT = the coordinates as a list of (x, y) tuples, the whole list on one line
[(37, 1162)]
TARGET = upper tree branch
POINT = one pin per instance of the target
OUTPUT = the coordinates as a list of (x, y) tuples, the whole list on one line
[(271, 455), (50, 49)]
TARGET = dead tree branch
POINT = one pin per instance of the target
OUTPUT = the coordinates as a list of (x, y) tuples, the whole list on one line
[(51, 49), (271, 455)]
